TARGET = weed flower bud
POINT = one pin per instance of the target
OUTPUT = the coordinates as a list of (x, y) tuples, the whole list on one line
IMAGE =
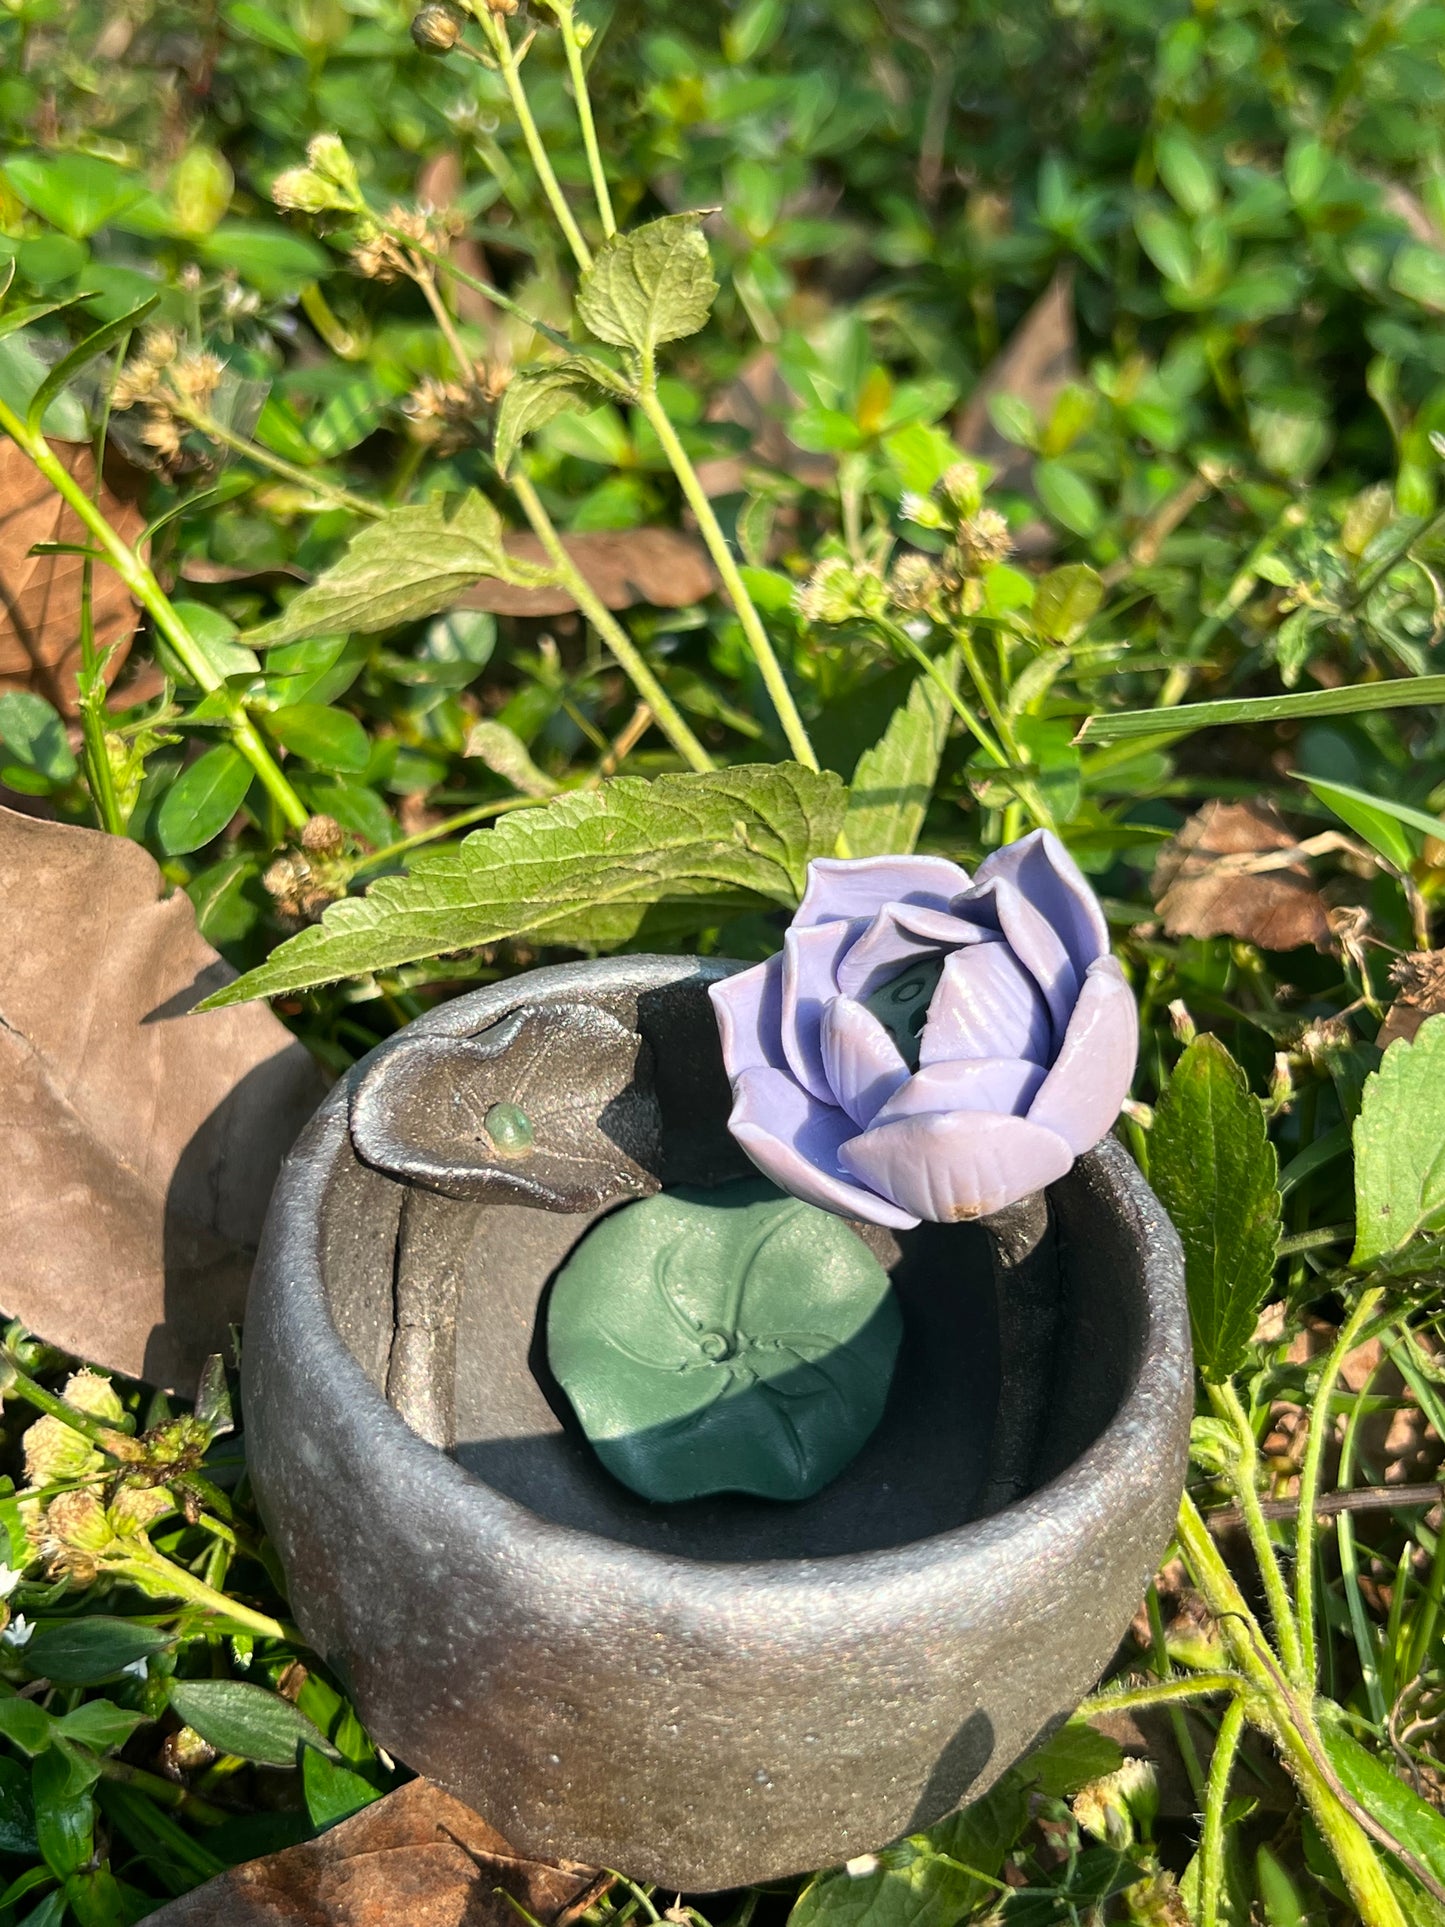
[(502, 9), (914, 585), (962, 488), (93, 1392), (438, 27), (136, 1508), (303, 191), (327, 154), (323, 836), (55, 1451), (983, 540), (840, 591)]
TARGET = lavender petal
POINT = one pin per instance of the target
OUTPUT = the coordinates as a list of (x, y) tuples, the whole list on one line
[(899, 935), (1004, 1085), (987, 1005), (861, 1061), (1038, 947), (963, 1165), (794, 1141), (749, 1009), (1083, 1093), (1051, 880), (860, 886), (810, 982)]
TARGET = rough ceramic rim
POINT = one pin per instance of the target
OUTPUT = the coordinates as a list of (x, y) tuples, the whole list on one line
[(883, 1584)]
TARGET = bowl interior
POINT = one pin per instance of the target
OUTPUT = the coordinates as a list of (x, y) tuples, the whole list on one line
[(926, 1468)]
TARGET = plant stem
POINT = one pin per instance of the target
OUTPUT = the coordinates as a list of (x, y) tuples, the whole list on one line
[(462, 821), (1167, 1692), (496, 31), (215, 431), (711, 531), (1309, 1485), (154, 1573), (1029, 792), (566, 21), (165, 1793), (1211, 1841), (138, 579), (629, 656), (1163, 1666), (900, 637), (1228, 1404), (1288, 1723)]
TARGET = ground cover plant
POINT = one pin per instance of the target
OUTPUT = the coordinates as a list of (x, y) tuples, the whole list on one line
[(572, 467)]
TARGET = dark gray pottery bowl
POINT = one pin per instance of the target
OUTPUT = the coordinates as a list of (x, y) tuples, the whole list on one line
[(727, 1691)]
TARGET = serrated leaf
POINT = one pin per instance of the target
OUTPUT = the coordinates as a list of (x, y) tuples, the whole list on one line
[(412, 563), (653, 285), (1217, 1175), (1400, 1146), (893, 781), (535, 396), (582, 870), (247, 1721)]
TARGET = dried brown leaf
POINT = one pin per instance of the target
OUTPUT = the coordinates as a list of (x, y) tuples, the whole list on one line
[(139, 1143), (663, 567), (1040, 358), (418, 1858), (40, 594), (1203, 885)]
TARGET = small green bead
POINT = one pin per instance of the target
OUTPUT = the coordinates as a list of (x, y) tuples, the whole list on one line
[(510, 1129)]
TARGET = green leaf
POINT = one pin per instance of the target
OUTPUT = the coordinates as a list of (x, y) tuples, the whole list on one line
[(1066, 495), (247, 1721), (535, 396), (1418, 1827), (1407, 692), (78, 193), (17, 1810), (653, 285), (329, 738), (82, 1652), (333, 1792), (202, 800), (583, 870), (507, 756), (267, 257), (352, 414), (99, 1724), (1377, 819), (64, 1815), (1066, 600), (25, 1724), (893, 782), (412, 563), (1418, 272), (1400, 1146), (33, 732), (1074, 1756), (1216, 1173), (649, 1318), (69, 366)]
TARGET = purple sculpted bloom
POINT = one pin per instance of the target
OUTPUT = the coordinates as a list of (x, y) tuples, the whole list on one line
[(926, 1044)]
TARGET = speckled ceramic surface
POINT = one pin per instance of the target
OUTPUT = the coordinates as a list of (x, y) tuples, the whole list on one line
[(728, 1690)]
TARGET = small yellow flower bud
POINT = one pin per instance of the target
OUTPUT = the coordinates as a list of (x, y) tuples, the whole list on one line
[(328, 156), (55, 1451)]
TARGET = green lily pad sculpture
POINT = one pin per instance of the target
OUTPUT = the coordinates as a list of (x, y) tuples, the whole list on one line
[(730, 1340)]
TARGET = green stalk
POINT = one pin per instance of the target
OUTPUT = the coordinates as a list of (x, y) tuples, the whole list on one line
[(99, 776), (138, 579), (215, 431), (1228, 1404), (566, 21), (496, 32), (711, 532), (1309, 1485), (901, 639), (1029, 791), (1211, 1840), (165, 1793), (1168, 1692), (1289, 1724), (155, 1574), (629, 656), (1163, 1666)]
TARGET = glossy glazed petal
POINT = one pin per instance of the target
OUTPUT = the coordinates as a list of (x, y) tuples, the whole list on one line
[(1005, 1085), (987, 1005), (1090, 1078), (749, 1009), (860, 886), (794, 1140), (860, 1060), (1051, 880), (1038, 947), (898, 936), (810, 982), (947, 1167)]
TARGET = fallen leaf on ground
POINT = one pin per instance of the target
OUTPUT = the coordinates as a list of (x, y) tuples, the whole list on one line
[(418, 1858), (40, 594), (1040, 358), (663, 567), (440, 182), (139, 1143), (1226, 874), (1419, 980)]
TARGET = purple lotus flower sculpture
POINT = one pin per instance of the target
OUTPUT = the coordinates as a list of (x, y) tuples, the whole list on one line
[(928, 1045)]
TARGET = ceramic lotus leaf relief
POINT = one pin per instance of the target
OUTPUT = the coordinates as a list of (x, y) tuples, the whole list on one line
[(549, 1107), (929, 1045), (724, 1340)]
